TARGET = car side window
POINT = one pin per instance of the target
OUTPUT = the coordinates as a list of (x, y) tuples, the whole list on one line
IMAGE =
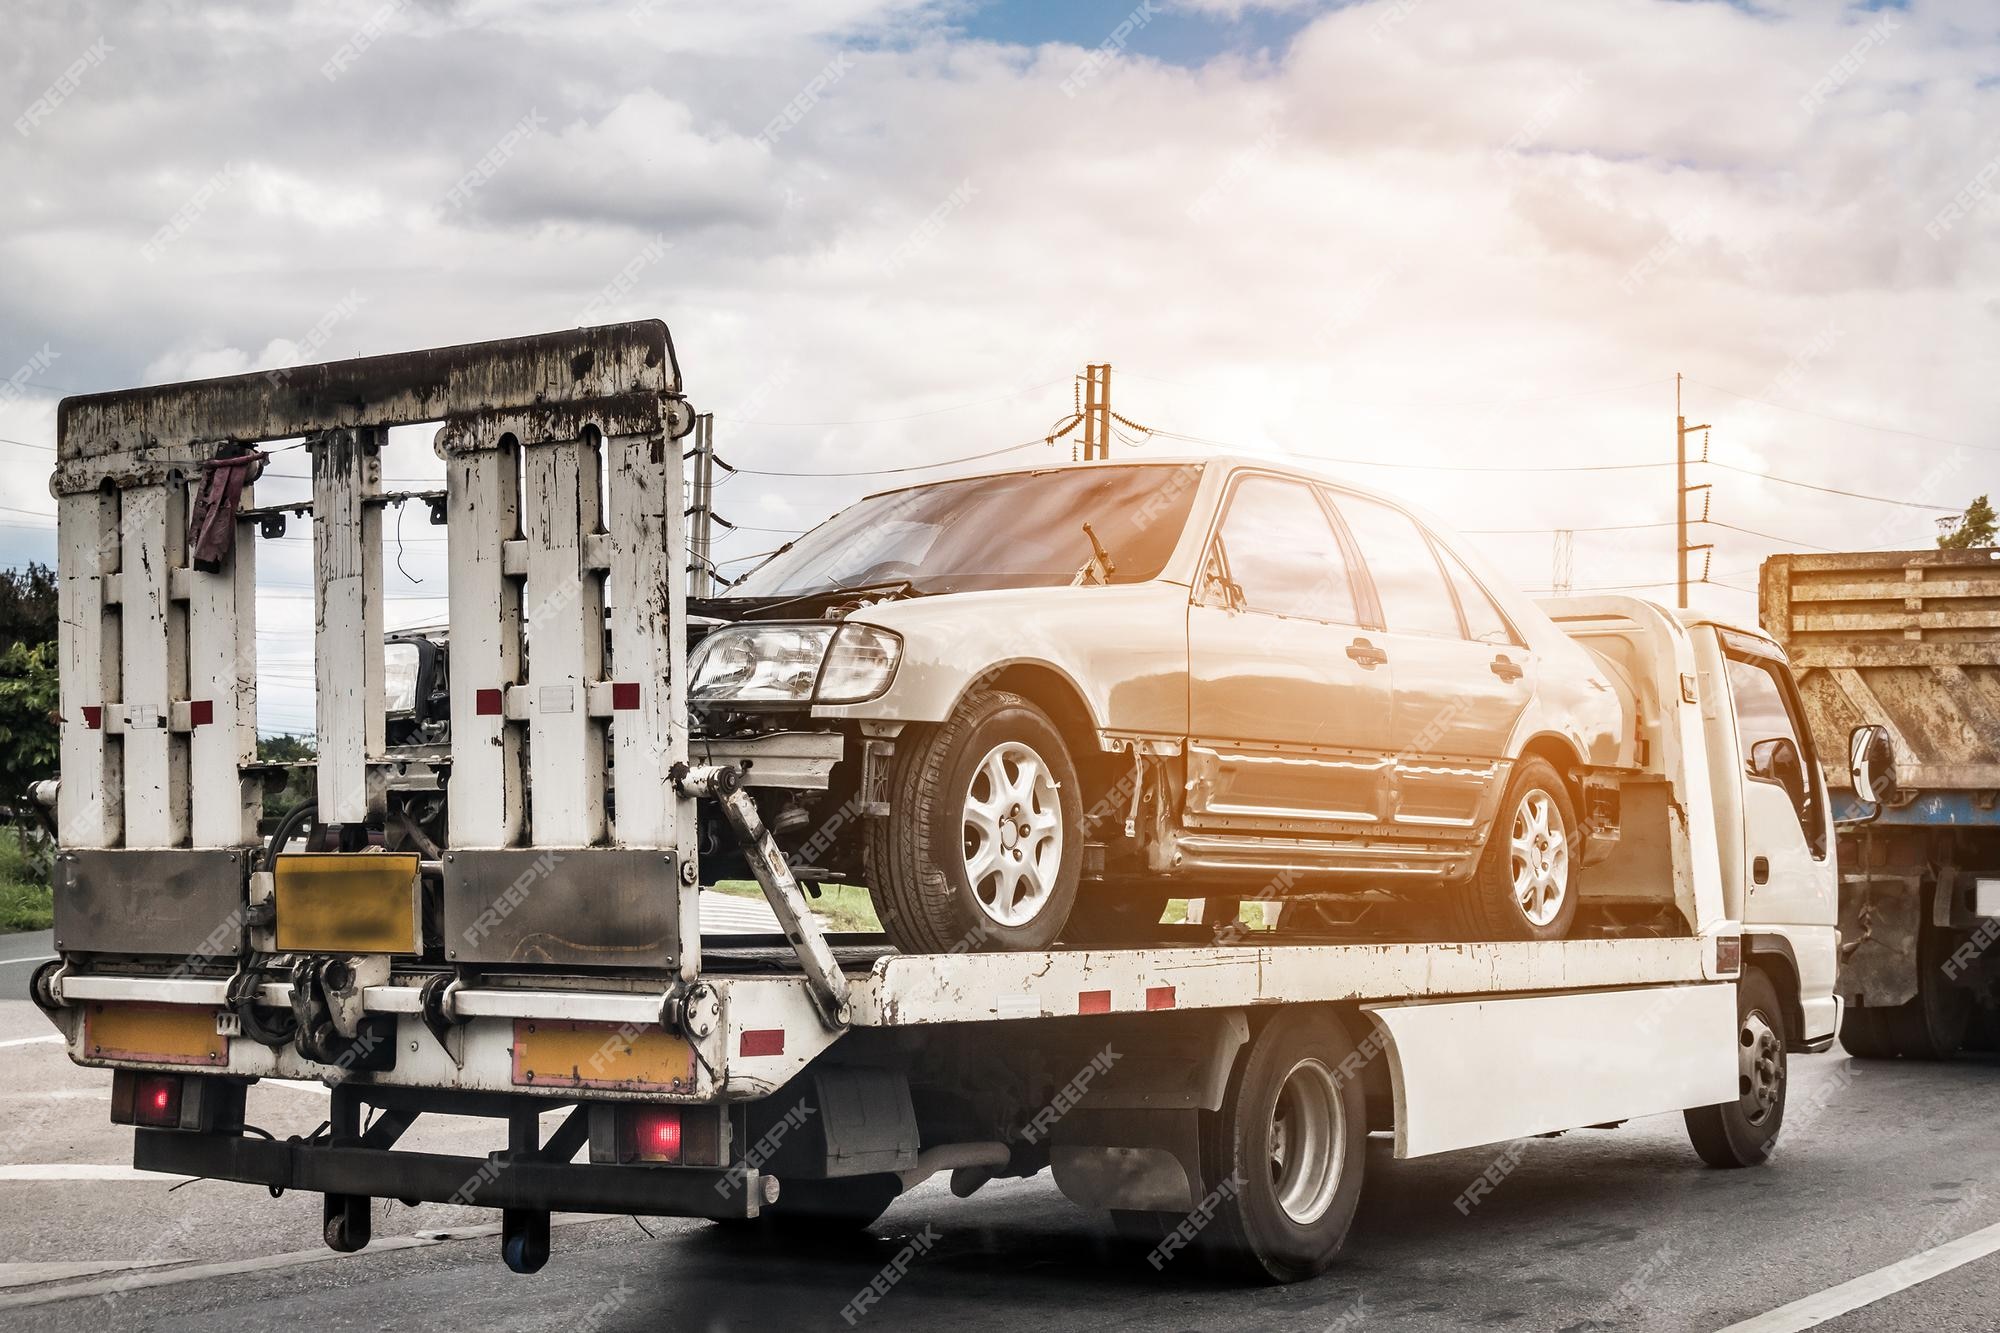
[(1768, 734), (1282, 553), (1483, 619), (1415, 598)]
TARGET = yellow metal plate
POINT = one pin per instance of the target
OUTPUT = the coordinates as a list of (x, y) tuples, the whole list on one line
[(162, 1034), (351, 902), (600, 1055)]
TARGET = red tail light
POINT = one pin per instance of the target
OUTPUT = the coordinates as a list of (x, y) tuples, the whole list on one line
[(652, 1134), (155, 1100)]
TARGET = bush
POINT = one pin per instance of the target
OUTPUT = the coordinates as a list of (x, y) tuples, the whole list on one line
[(25, 900)]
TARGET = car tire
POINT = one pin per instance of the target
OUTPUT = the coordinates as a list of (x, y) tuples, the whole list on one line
[(1743, 1132), (950, 868), (1525, 885)]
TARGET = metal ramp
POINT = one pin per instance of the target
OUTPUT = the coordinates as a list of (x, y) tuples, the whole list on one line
[(562, 501)]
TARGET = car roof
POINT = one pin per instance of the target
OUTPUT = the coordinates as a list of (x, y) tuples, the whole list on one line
[(1306, 468)]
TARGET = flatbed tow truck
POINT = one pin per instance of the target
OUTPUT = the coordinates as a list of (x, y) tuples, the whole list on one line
[(1220, 1076)]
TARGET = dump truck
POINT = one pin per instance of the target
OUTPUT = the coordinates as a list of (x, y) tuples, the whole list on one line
[(506, 925), (1907, 643)]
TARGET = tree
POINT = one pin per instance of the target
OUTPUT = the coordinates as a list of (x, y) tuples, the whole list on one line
[(29, 746), (299, 782), (27, 605), (1975, 528)]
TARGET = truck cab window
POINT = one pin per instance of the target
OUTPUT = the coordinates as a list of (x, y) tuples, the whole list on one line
[(1771, 740)]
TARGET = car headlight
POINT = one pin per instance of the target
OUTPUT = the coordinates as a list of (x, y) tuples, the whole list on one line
[(859, 665), (782, 664)]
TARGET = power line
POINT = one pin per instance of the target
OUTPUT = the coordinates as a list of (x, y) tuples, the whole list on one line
[(1834, 490), (1543, 532), (1848, 421), (907, 416), (1418, 467), (1767, 536), (893, 471)]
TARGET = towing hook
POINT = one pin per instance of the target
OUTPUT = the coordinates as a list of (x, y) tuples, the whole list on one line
[(706, 779)]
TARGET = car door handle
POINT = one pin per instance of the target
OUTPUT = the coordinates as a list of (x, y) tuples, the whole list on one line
[(1506, 668), (1760, 870), (1367, 654)]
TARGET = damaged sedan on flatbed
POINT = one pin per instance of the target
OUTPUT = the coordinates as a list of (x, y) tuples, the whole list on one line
[(1029, 706)]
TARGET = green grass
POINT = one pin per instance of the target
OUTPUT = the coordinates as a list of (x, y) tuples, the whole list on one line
[(25, 900), (843, 906)]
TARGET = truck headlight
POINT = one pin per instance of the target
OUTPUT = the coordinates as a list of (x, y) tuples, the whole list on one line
[(782, 664)]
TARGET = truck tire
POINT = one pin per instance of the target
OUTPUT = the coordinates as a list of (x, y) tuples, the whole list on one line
[(1284, 1156), (1931, 1025), (1743, 1132), (1525, 885), (980, 849)]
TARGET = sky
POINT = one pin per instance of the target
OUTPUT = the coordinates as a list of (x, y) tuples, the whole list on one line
[(1464, 246)]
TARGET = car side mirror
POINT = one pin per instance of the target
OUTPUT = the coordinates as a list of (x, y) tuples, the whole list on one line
[(1872, 756), (1778, 759)]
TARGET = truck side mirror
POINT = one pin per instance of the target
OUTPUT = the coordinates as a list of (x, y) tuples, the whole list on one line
[(1778, 760), (1872, 756)]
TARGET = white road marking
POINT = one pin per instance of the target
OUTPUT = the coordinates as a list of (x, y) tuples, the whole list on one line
[(38, 958), (131, 1280), (31, 1041), (81, 1171), (301, 1085), (1871, 1287), (27, 1275)]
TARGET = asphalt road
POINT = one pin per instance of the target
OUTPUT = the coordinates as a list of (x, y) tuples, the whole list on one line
[(1598, 1229)]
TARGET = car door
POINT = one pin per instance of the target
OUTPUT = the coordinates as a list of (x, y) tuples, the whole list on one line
[(1289, 689), (1462, 674)]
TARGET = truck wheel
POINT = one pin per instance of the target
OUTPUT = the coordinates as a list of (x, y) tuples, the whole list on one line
[(1742, 1132), (980, 848), (1525, 886), (1931, 1025), (1286, 1152)]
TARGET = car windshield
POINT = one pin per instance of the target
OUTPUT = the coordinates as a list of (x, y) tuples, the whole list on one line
[(1022, 530)]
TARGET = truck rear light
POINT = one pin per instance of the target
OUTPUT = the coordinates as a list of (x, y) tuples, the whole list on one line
[(153, 1100), (693, 1135), (652, 1134)]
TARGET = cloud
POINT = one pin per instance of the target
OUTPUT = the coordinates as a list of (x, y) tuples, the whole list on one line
[(1425, 231)]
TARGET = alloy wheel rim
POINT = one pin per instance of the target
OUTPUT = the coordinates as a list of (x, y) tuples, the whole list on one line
[(1307, 1142), (1013, 835), (1538, 854), (1760, 1068)]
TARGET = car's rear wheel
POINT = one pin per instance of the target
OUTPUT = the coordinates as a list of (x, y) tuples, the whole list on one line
[(980, 849), (1525, 886)]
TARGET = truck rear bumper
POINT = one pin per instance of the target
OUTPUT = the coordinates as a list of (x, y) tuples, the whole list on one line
[(478, 1182)]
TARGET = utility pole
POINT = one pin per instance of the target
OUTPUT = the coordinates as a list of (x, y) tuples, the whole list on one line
[(1681, 492), (1097, 412), (1565, 549), (701, 532)]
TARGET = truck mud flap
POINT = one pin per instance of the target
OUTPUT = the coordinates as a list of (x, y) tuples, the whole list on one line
[(477, 1182), (1880, 918)]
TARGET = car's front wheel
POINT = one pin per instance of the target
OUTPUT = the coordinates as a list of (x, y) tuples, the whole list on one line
[(980, 849), (1525, 886)]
